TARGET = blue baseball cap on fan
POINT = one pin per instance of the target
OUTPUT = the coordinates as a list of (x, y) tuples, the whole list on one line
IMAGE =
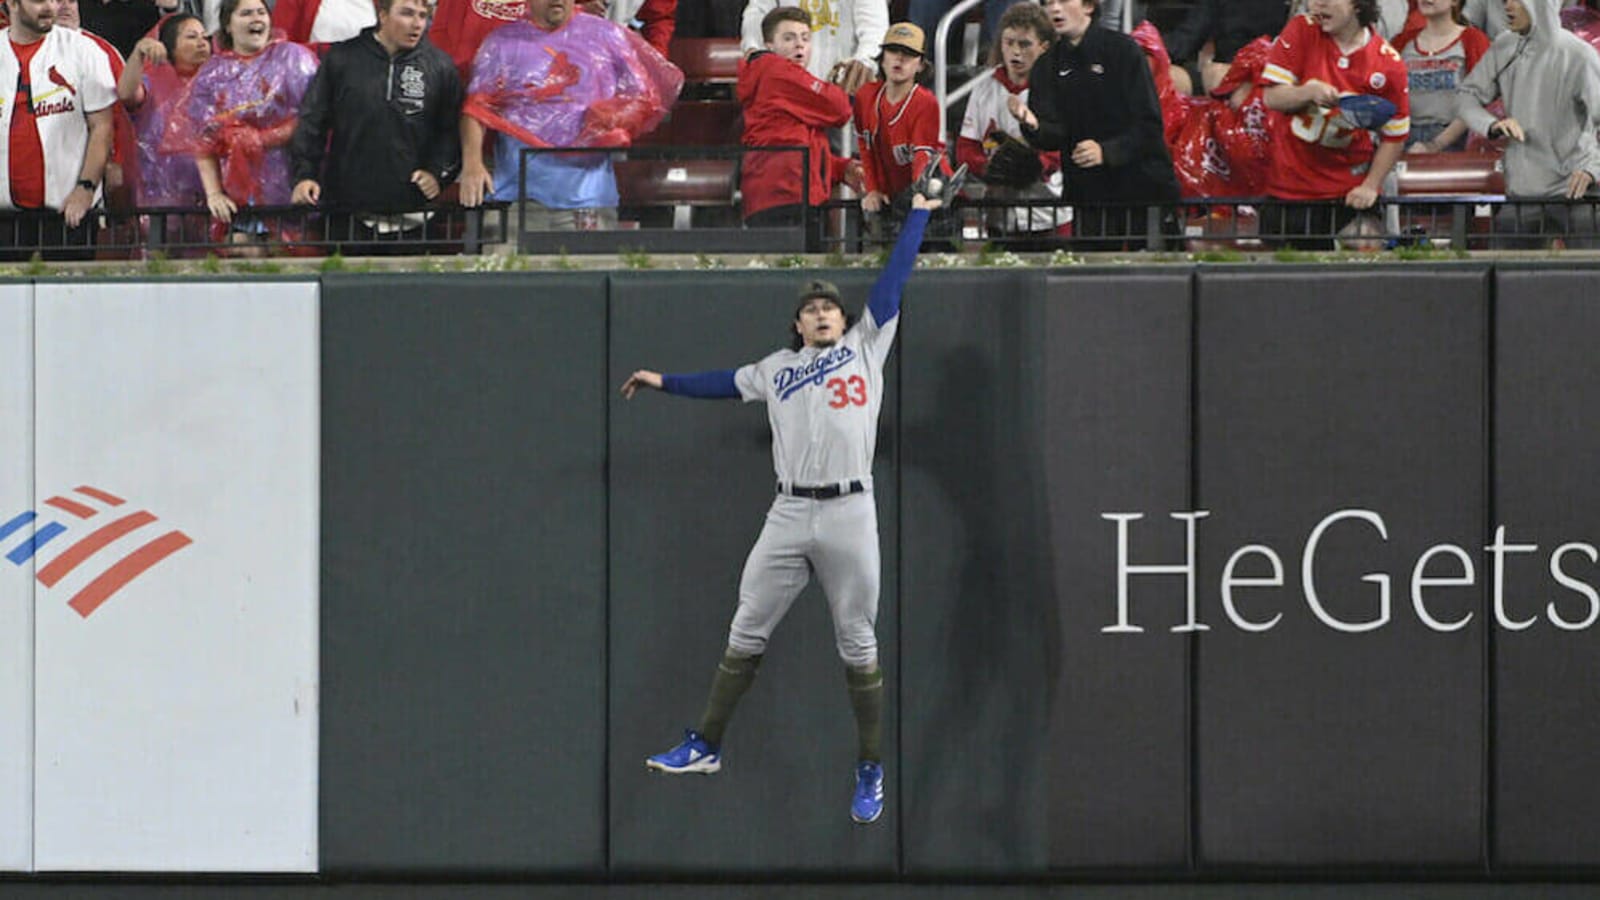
[(1366, 110)]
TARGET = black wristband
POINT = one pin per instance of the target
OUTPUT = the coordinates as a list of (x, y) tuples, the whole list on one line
[(86, 183)]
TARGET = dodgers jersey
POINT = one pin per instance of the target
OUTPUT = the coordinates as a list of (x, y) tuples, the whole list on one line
[(823, 403)]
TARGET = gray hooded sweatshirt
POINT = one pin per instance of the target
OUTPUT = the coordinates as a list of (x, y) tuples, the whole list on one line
[(1489, 15), (1550, 82)]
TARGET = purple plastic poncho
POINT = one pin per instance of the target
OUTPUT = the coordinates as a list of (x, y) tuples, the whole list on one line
[(242, 110), (589, 83), (165, 179)]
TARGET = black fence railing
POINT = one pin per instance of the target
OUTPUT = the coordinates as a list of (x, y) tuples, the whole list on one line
[(183, 232), (687, 200), (1471, 223), (674, 199)]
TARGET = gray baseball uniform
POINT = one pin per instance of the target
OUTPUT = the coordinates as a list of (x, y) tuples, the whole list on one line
[(823, 405)]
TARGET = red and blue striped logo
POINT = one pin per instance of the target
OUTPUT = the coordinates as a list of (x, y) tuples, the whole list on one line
[(87, 506)]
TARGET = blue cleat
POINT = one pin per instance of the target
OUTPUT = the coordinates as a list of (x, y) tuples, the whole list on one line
[(867, 805), (693, 755)]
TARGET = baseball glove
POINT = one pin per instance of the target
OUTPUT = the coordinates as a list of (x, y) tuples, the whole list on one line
[(934, 186), (1013, 163)]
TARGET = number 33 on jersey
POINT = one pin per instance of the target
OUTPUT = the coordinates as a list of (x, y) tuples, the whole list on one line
[(823, 403)]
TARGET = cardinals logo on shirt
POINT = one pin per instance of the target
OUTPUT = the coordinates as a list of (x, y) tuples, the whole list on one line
[(55, 78), (501, 10), (44, 106), (562, 74)]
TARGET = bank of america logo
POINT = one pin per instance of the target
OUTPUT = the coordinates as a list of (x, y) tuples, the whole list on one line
[(85, 508)]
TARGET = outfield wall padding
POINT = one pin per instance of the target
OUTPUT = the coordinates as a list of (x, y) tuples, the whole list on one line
[(527, 580)]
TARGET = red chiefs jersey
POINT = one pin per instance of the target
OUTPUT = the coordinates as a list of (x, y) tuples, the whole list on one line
[(1317, 155), (898, 140)]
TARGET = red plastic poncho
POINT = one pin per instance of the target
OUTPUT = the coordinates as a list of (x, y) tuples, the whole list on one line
[(589, 83), (1222, 151), (1175, 107)]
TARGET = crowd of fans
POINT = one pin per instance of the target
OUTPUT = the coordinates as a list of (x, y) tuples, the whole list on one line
[(372, 112)]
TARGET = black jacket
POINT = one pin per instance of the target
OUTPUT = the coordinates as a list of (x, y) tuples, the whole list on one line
[(1231, 23), (389, 116), (1101, 90)]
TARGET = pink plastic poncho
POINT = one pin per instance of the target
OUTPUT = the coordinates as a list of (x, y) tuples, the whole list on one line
[(165, 179), (242, 110), (589, 83)]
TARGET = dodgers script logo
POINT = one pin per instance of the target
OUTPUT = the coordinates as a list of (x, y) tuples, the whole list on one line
[(115, 573), (792, 379)]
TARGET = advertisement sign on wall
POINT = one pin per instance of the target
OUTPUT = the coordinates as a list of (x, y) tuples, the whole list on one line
[(176, 596), (16, 581)]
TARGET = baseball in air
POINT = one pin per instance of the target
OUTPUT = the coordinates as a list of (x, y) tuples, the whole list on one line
[(935, 186)]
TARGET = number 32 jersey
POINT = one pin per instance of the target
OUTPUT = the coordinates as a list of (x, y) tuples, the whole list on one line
[(823, 404), (1318, 155)]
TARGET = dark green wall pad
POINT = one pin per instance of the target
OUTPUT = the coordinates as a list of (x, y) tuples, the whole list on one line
[(691, 481), (463, 573), (1546, 447), (1319, 391), (1031, 740)]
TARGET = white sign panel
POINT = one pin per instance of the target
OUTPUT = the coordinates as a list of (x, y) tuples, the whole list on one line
[(17, 517), (176, 608)]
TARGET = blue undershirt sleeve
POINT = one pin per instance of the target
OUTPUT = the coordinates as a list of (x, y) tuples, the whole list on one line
[(884, 301), (713, 385)]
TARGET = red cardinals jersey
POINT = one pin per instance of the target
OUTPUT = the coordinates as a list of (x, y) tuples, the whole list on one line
[(898, 140), (459, 26), (1317, 154)]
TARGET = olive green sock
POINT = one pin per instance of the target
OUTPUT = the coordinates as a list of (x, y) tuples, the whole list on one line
[(866, 699), (734, 676)]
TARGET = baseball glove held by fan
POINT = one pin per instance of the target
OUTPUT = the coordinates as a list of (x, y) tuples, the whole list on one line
[(1013, 163), (934, 186)]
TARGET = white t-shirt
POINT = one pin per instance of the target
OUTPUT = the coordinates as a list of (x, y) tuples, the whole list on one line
[(340, 20), (840, 29), (987, 112)]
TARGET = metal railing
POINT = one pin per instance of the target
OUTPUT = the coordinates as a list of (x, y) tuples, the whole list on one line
[(178, 232), (1249, 225), (941, 66), (679, 180), (704, 182)]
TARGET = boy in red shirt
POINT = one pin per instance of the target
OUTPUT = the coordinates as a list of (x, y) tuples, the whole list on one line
[(787, 106), (1319, 154), (897, 124)]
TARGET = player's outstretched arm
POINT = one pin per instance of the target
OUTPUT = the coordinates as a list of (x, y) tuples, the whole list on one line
[(714, 385), (884, 301), (639, 379)]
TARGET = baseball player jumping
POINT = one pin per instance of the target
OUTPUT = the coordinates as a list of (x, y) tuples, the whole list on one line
[(823, 397)]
